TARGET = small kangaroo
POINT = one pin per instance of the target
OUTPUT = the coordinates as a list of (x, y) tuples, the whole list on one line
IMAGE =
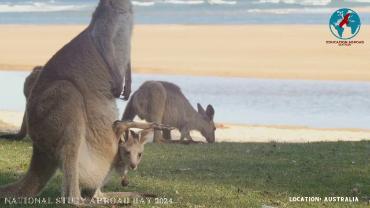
[(27, 87), (130, 151), (163, 102)]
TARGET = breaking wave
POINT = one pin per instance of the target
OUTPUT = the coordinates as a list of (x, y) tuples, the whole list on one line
[(40, 7)]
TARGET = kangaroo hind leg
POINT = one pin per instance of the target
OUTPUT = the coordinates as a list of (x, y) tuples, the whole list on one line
[(70, 169), (166, 134), (155, 97), (73, 135)]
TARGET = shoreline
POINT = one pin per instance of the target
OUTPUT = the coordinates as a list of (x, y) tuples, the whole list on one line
[(290, 127), (10, 121), (218, 74), (296, 52)]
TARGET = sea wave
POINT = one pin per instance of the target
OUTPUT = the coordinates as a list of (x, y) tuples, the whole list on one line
[(39, 7), (359, 1), (299, 2), (184, 2), (222, 2), (58, 6), (293, 11), (252, 6), (143, 3)]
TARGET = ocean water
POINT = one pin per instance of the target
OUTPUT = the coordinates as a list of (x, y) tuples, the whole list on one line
[(184, 11), (320, 104)]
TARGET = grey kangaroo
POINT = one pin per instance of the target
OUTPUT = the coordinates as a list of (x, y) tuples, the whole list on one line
[(72, 106), (163, 102), (130, 150)]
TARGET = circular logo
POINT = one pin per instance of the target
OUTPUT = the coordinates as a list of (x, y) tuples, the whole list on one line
[(345, 23)]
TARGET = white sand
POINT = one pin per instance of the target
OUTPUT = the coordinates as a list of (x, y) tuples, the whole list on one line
[(9, 121), (12, 118), (239, 133), (242, 133), (257, 51)]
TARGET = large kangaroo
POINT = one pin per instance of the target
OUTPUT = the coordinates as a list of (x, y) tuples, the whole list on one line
[(29, 83), (72, 106), (163, 102)]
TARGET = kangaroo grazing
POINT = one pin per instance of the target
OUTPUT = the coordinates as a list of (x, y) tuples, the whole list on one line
[(163, 102), (71, 108), (27, 87)]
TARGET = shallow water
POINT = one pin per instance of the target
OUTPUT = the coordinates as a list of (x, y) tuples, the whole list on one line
[(182, 11), (323, 104)]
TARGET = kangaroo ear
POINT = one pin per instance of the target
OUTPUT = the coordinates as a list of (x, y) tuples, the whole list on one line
[(37, 68), (134, 135), (105, 2), (210, 112), (144, 136), (123, 138), (201, 109), (145, 132)]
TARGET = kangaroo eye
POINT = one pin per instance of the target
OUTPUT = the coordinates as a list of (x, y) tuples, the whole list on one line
[(139, 155)]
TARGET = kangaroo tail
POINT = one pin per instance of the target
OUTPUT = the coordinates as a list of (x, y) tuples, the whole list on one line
[(18, 136), (41, 169), (22, 132), (129, 113)]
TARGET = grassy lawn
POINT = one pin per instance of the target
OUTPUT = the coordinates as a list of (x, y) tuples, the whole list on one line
[(232, 174)]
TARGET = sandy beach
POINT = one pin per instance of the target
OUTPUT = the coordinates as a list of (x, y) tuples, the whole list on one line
[(260, 51), (10, 122)]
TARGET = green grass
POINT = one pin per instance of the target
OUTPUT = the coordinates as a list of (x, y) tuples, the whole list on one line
[(231, 174)]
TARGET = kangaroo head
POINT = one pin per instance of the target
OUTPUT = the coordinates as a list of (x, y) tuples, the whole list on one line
[(122, 5), (131, 150), (131, 144), (208, 128)]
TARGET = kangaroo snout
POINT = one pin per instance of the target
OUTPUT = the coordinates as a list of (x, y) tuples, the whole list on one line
[(133, 167)]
